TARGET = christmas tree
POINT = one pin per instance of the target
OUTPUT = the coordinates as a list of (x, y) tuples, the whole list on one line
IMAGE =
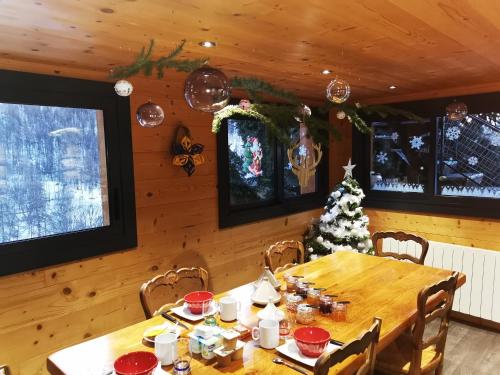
[(342, 226)]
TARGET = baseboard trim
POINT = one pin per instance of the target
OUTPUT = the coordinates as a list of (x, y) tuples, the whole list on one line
[(475, 321)]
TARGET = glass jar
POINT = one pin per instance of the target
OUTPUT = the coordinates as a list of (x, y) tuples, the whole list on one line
[(304, 314), (313, 296), (339, 313), (292, 301), (290, 284), (301, 289), (325, 305)]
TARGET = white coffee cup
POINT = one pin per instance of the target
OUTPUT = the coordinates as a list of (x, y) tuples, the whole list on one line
[(268, 334), (228, 309), (166, 348)]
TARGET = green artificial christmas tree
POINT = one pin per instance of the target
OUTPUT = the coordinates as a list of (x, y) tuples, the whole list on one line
[(342, 226)]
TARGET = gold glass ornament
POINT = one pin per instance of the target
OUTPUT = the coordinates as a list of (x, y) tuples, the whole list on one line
[(456, 111)]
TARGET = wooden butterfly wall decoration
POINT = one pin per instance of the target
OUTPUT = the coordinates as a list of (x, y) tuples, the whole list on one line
[(187, 154)]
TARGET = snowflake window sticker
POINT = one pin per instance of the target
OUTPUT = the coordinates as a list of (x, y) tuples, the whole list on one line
[(472, 160), (495, 140), (395, 137), (381, 157), (416, 142), (453, 133)]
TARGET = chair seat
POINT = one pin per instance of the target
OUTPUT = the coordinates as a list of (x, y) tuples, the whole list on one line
[(396, 358)]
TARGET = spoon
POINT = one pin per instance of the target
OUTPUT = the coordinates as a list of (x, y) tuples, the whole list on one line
[(279, 361)]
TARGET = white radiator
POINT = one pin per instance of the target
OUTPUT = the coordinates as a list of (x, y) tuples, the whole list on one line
[(480, 295)]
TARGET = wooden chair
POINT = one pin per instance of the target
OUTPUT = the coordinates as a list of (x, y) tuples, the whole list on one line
[(167, 290), (284, 255), (400, 236), (412, 353), (4, 370), (365, 344)]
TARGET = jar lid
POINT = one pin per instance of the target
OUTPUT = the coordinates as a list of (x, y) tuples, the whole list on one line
[(304, 308)]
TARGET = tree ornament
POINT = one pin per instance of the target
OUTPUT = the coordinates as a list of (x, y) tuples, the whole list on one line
[(338, 91), (123, 87), (303, 111), (341, 115), (348, 169), (187, 154), (456, 111), (207, 90), (304, 156), (150, 115), (381, 157)]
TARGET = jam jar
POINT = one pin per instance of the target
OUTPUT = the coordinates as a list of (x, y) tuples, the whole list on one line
[(292, 301), (305, 314)]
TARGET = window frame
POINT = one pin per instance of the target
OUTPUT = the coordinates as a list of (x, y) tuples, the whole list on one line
[(38, 89), (232, 216), (430, 200)]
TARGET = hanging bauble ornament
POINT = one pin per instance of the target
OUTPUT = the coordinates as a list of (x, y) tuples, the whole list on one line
[(244, 104), (150, 115), (338, 91), (456, 111), (303, 111), (207, 90), (341, 115), (123, 87)]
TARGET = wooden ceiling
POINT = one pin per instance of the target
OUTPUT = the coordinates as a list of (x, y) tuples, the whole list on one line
[(417, 45)]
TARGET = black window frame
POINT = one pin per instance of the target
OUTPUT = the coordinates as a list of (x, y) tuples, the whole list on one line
[(429, 201), (232, 216), (39, 89)]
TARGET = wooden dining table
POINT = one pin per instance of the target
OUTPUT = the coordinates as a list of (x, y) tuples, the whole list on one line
[(375, 287)]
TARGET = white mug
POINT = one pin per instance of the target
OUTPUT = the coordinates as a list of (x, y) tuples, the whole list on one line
[(166, 348), (268, 333), (228, 309)]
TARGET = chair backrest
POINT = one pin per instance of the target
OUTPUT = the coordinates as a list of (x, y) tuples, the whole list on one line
[(364, 344), (4, 370), (403, 237), (167, 290), (284, 255), (433, 302)]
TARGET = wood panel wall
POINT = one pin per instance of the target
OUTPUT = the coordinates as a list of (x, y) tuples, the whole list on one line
[(45, 310)]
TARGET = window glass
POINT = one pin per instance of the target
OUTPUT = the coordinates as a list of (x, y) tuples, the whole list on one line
[(52, 171), (252, 176), (400, 156), (469, 156)]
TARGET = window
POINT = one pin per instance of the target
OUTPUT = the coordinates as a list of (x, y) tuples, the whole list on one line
[(66, 181), (440, 165), (255, 176)]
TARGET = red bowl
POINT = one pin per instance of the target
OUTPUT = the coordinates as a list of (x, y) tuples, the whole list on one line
[(136, 363), (198, 301), (311, 341)]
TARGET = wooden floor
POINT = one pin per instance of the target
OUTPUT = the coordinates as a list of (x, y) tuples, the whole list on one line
[(471, 351)]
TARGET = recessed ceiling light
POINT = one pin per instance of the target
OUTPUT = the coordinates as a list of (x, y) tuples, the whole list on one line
[(392, 87), (207, 44), (326, 71)]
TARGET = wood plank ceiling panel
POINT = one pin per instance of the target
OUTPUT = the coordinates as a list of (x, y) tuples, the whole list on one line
[(418, 45)]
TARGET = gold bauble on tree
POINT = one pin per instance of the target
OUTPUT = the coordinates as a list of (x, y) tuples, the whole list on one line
[(338, 91)]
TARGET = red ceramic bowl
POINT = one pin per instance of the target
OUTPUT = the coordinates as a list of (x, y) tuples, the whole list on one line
[(136, 363), (311, 341), (198, 301)]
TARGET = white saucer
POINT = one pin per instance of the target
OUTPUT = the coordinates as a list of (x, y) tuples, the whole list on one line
[(266, 301), (157, 371), (184, 312), (290, 349)]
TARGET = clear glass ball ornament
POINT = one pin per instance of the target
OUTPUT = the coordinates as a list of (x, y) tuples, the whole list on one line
[(207, 90), (456, 111), (123, 87), (150, 115), (303, 111), (338, 91)]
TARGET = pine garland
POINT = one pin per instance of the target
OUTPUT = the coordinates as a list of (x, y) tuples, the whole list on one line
[(279, 117), (146, 64)]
